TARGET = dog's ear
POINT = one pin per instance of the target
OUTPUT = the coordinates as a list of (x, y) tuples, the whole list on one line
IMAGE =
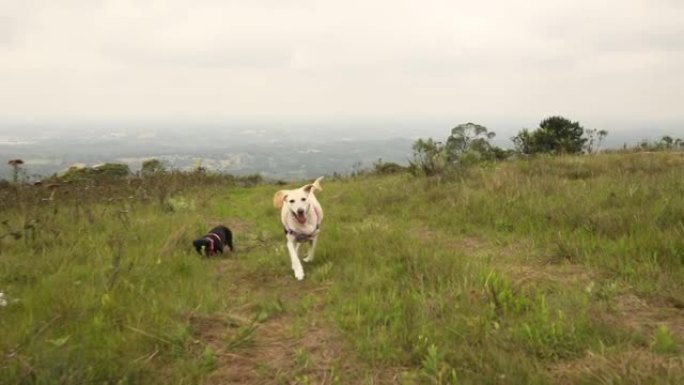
[(279, 198), (316, 185)]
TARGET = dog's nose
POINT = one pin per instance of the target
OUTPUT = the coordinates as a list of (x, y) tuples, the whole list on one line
[(300, 211)]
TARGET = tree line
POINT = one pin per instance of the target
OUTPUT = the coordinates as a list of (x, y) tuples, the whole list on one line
[(469, 143)]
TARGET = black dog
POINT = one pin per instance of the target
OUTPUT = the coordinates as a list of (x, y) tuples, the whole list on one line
[(218, 238)]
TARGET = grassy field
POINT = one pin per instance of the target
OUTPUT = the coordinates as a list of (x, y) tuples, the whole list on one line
[(541, 271)]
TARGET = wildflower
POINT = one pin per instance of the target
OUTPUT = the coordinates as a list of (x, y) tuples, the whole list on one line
[(3, 301)]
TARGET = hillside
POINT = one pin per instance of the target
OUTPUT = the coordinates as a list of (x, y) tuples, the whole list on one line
[(543, 270)]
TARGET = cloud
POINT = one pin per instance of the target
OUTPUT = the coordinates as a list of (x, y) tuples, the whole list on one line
[(280, 59)]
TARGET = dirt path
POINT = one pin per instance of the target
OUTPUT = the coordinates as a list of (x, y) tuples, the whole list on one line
[(281, 336)]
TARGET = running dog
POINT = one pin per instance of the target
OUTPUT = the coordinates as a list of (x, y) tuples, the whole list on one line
[(301, 215), (215, 241)]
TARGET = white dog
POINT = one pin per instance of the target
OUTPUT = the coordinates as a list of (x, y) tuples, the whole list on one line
[(301, 215)]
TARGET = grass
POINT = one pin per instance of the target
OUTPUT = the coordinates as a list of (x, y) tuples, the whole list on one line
[(543, 270)]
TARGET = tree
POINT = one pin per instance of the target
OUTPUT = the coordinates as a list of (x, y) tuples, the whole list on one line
[(594, 139), (524, 141), (469, 137), (17, 170), (429, 157), (555, 135)]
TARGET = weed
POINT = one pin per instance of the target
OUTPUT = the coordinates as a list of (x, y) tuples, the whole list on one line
[(435, 370), (663, 341), (244, 337), (208, 359)]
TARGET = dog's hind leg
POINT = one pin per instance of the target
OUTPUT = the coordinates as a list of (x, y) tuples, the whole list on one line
[(310, 254), (294, 258)]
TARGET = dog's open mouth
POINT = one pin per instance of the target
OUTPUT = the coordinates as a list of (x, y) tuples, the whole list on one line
[(301, 218)]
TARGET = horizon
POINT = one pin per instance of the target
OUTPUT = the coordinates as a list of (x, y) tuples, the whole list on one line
[(274, 154), (410, 127)]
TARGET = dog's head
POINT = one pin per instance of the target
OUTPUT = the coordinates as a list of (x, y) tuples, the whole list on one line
[(297, 201), (203, 247)]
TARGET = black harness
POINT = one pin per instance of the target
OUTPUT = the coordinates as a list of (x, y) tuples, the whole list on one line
[(303, 237)]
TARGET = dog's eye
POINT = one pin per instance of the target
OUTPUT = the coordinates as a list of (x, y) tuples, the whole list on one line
[(291, 200), (303, 199)]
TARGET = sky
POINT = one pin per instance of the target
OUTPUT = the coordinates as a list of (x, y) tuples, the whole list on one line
[(340, 61)]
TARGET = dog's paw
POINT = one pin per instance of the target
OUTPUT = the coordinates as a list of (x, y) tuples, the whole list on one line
[(308, 258), (299, 274)]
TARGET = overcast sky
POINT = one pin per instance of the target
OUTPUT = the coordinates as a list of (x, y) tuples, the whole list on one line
[(345, 60)]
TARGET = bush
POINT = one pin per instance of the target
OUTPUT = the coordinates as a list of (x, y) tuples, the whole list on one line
[(152, 166), (385, 168), (100, 172)]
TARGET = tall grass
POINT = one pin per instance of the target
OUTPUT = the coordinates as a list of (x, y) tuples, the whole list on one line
[(511, 270), (101, 292), (543, 270)]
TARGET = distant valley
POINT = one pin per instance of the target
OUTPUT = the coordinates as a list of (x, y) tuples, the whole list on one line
[(273, 159), (288, 153)]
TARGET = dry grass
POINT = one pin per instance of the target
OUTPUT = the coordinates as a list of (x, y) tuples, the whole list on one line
[(625, 367)]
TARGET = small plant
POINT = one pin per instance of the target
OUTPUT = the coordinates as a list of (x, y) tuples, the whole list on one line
[(663, 341), (269, 309), (208, 359), (502, 296), (550, 334), (303, 379), (302, 358), (180, 203), (436, 370), (244, 336)]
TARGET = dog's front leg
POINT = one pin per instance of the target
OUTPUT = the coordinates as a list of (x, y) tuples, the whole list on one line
[(310, 254), (294, 258)]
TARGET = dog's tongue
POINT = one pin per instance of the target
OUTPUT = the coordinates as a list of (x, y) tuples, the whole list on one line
[(301, 218)]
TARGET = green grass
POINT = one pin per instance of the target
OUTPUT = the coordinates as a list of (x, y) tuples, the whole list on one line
[(543, 270)]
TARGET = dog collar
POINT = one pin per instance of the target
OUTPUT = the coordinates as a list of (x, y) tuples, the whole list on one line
[(212, 247), (214, 235)]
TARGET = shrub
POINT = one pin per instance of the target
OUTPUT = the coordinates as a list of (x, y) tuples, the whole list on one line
[(152, 166)]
